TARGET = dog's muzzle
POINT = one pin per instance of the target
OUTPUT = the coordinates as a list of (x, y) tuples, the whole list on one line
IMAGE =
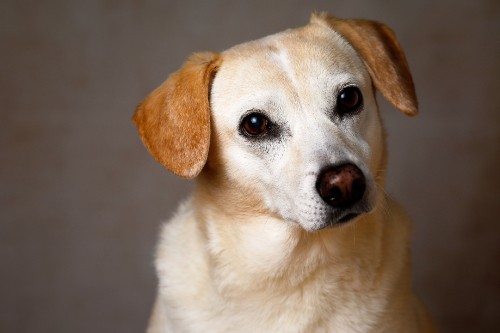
[(341, 186)]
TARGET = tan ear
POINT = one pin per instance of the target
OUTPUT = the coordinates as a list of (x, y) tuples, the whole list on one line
[(383, 56), (174, 120)]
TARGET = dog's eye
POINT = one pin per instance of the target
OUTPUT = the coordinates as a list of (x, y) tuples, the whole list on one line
[(349, 100), (255, 124)]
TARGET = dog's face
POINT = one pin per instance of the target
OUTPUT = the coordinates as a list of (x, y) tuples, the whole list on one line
[(294, 120), (288, 107)]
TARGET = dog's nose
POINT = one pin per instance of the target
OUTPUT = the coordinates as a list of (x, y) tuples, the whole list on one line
[(341, 185)]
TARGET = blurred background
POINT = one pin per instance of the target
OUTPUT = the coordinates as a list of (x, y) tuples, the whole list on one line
[(81, 200)]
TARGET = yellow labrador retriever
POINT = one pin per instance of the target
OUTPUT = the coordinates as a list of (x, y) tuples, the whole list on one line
[(289, 228)]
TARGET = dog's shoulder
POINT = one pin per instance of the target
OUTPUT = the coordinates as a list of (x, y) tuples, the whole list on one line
[(180, 255)]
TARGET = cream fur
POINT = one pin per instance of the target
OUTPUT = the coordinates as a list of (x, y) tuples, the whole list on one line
[(247, 252)]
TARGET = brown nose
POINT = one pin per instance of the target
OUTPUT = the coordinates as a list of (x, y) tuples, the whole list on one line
[(341, 185)]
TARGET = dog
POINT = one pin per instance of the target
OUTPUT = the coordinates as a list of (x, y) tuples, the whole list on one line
[(289, 228)]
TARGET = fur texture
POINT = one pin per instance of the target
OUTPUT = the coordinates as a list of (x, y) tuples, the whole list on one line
[(255, 249)]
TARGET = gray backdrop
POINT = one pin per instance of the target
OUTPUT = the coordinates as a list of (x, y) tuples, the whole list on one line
[(81, 200)]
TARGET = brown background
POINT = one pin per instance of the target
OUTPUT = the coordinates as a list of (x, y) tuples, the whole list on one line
[(81, 201)]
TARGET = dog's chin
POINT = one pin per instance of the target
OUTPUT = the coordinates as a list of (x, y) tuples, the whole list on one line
[(335, 222), (336, 219)]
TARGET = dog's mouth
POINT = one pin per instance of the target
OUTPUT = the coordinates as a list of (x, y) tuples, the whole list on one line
[(340, 220), (346, 218)]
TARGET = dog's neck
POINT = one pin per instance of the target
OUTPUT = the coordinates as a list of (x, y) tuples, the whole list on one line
[(271, 254)]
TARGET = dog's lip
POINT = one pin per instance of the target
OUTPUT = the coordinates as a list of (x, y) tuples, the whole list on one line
[(340, 220), (347, 217)]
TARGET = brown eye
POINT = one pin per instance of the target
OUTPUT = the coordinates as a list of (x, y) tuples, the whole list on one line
[(255, 124), (349, 100)]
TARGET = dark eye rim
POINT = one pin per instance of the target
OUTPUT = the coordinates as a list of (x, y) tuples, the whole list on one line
[(351, 111), (269, 124)]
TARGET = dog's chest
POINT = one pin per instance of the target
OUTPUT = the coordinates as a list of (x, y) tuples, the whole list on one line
[(236, 294), (296, 312)]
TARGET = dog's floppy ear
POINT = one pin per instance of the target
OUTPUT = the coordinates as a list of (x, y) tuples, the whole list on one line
[(174, 120), (383, 56)]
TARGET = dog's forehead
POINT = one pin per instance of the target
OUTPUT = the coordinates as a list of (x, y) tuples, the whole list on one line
[(310, 52)]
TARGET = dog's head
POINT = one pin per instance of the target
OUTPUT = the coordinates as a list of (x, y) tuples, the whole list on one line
[(288, 123)]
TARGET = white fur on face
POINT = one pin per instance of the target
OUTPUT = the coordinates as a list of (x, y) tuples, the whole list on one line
[(294, 79)]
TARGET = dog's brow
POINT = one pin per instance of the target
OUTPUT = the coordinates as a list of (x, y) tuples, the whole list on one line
[(282, 59)]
